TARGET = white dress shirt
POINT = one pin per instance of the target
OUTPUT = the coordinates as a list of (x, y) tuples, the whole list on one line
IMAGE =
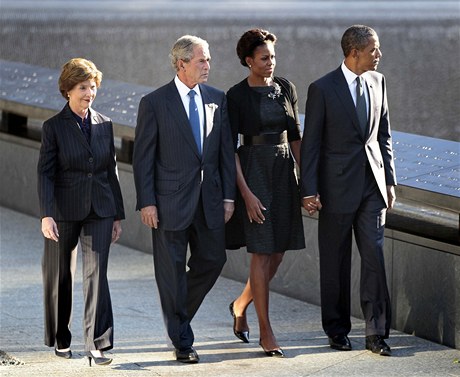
[(351, 81)]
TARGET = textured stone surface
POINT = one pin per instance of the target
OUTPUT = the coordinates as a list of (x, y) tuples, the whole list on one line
[(140, 347)]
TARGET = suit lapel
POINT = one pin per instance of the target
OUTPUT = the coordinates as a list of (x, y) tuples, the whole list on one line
[(341, 88), (94, 127), (176, 108), (208, 112), (74, 127), (371, 92)]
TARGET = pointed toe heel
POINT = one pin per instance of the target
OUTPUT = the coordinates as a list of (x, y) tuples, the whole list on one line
[(275, 353), (242, 335), (272, 353)]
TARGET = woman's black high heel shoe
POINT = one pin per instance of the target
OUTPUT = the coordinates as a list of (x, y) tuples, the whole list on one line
[(242, 335), (272, 353), (98, 360)]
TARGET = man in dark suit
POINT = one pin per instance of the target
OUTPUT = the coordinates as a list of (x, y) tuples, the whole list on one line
[(347, 171), (184, 171)]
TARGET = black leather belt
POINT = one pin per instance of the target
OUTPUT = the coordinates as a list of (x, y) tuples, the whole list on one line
[(265, 139)]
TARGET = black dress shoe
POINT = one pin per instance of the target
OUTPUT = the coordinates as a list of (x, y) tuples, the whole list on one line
[(188, 356), (242, 335), (376, 344), (64, 354), (340, 343)]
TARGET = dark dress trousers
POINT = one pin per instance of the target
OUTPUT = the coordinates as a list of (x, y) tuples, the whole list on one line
[(78, 187), (188, 190), (350, 169)]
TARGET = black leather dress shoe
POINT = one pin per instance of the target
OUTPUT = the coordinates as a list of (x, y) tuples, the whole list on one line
[(188, 356), (340, 343), (376, 344), (64, 354)]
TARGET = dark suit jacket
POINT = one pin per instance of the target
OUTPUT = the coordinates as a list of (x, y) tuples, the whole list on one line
[(334, 149), (168, 169), (73, 175)]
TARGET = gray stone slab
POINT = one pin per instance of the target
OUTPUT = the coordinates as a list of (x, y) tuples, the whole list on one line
[(30, 85), (427, 163), (38, 86)]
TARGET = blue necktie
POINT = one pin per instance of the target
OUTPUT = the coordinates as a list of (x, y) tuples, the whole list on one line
[(361, 105), (194, 119)]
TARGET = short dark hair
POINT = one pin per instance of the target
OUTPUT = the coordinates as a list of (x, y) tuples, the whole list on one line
[(356, 37), (250, 40)]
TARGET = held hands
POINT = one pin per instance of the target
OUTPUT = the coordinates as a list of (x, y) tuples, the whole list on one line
[(116, 231), (149, 216), (254, 208), (312, 204), (49, 229)]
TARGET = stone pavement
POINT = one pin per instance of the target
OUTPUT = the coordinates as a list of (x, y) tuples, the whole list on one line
[(140, 342)]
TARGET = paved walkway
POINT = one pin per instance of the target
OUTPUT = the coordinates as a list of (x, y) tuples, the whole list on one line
[(140, 345)]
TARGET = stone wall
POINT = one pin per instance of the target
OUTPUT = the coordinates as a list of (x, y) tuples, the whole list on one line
[(419, 40)]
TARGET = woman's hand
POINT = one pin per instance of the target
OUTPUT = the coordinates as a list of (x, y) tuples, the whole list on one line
[(116, 230), (254, 208), (49, 229)]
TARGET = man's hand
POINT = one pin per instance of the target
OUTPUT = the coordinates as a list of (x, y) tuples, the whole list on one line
[(229, 208), (116, 231), (312, 204), (391, 196), (149, 216)]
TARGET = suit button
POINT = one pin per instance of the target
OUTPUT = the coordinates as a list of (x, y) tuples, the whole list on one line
[(90, 175), (90, 160)]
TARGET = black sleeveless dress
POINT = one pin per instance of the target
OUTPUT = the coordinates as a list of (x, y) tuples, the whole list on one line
[(270, 174)]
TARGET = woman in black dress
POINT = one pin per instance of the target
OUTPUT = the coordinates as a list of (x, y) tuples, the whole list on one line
[(266, 130)]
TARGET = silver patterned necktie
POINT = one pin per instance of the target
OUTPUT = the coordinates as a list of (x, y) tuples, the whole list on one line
[(361, 105)]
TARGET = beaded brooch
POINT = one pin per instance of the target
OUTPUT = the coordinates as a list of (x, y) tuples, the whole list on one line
[(276, 91)]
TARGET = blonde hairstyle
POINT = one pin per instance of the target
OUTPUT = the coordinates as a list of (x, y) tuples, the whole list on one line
[(183, 49), (76, 71)]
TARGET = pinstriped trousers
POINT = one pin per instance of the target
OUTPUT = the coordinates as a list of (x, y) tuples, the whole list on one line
[(58, 268)]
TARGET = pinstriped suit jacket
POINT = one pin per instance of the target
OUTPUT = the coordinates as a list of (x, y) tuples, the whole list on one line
[(334, 150), (74, 175), (168, 169)]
